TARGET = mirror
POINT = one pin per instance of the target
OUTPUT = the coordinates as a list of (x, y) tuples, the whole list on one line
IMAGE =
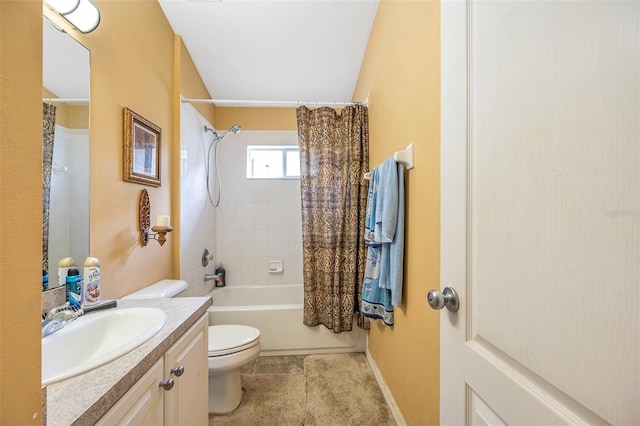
[(65, 94)]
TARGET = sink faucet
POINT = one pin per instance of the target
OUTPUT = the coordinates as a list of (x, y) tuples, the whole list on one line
[(58, 317)]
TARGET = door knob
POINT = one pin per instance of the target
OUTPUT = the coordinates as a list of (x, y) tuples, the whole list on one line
[(448, 298)]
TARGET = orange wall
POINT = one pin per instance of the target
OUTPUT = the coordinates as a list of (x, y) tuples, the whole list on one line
[(135, 63), (256, 118), (132, 65), (20, 211), (401, 76)]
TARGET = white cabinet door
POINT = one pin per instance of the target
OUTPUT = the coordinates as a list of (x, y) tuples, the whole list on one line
[(541, 212), (142, 404), (187, 403)]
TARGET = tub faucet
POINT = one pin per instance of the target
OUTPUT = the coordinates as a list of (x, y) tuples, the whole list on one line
[(211, 277)]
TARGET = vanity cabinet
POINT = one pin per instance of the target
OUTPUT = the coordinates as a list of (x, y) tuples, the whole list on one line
[(174, 391), (188, 402)]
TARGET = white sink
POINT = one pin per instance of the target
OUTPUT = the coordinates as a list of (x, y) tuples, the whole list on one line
[(95, 339)]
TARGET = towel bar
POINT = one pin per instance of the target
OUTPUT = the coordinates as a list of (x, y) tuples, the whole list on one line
[(405, 157)]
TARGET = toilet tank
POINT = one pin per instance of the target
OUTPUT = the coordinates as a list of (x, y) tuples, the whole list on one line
[(159, 290)]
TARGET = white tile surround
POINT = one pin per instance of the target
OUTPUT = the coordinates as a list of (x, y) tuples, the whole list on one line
[(256, 221), (198, 218)]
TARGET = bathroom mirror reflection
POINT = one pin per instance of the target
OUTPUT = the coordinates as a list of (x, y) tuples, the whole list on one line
[(65, 97)]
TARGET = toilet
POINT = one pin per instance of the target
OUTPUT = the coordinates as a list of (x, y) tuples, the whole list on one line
[(230, 347)]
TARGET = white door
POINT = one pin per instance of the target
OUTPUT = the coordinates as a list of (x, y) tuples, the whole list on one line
[(541, 212)]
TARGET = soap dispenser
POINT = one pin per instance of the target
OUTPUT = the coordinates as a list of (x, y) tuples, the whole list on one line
[(220, 281)]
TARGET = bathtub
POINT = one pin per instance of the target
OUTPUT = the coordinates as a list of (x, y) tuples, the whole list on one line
[(276, 310)]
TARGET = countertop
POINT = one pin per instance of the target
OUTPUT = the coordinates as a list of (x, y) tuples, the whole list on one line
[(83, 399)]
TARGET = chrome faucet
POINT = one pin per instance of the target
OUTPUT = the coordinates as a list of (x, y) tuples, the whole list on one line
[(58, 317), (211, 277)]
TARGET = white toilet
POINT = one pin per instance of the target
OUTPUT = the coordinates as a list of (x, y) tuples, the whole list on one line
[(230, 347)]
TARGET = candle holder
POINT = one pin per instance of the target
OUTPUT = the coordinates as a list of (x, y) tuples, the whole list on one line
[(144, 223), (159, 235)]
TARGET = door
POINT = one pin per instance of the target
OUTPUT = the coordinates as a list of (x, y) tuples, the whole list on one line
[(541, 212)]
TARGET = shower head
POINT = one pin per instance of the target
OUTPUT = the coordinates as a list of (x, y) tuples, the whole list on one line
[(234, 129), (217, 137)]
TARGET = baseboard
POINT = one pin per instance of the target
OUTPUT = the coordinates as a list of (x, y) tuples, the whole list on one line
[(393, 407)]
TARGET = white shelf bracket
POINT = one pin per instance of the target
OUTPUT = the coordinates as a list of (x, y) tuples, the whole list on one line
[(405, 156)]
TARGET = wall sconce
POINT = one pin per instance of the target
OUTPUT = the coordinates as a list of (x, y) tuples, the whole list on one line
[(144, 222), (82, 14)]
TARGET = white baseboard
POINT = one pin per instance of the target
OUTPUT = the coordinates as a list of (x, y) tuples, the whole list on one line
[(393, 407)]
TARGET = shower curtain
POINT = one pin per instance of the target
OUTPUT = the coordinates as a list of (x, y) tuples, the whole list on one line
[(334, 155), (48, 130)]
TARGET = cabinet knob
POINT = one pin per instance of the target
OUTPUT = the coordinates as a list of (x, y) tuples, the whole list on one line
[(166, 384), (178, 371)]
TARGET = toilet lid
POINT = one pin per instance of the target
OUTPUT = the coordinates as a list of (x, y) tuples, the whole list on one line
[(226, 339)]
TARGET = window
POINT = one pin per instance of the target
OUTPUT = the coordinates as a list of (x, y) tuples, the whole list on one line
[(273, 162)]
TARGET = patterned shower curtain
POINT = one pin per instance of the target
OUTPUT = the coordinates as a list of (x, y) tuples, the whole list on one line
[(48, 130), (334, 155)]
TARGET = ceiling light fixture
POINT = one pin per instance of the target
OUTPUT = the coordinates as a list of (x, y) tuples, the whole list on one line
[(82, 14)]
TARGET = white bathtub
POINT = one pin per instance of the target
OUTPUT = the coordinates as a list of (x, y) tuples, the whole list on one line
[(276, 310)]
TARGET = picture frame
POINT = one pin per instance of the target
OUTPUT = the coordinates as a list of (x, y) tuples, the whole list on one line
[(142, 149)]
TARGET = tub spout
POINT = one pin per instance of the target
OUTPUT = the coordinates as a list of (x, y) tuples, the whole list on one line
[(211, 277)]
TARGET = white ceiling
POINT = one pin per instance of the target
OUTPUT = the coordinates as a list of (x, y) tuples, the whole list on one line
[(275, 51), (247, 50)]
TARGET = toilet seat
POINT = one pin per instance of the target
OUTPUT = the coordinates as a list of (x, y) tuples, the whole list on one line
[(228, 339)]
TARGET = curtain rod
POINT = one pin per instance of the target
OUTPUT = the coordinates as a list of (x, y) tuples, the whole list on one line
[(270, 104), (66, 100)]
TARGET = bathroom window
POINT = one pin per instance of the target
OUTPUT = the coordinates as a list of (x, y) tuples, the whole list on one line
[(273, 162)]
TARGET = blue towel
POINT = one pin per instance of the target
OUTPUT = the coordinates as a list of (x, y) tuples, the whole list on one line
[(396, 247), (376, 300), (386, 209), (384, 236)]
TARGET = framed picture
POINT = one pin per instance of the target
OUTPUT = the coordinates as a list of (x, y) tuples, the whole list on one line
[(142, 141)]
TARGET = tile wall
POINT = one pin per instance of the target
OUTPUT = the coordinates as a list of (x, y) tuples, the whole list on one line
[(256, 220)]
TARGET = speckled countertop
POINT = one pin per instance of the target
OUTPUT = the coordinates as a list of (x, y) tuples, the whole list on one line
[(83, 399)]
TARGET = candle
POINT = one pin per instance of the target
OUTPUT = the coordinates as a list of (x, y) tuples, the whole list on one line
[(162, 220)]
